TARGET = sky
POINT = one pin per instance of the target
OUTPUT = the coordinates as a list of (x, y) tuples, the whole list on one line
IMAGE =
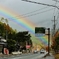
[(38, 14)]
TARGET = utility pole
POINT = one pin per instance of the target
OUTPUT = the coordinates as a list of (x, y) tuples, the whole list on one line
[(54, 26)]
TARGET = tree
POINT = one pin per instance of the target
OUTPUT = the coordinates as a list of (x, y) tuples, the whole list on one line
[(2, 20), (56, 44), (2, 31), (11, 45), (14, 37), (23, 38)]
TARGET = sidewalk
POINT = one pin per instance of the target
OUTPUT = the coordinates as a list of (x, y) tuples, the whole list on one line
[(49, 57)]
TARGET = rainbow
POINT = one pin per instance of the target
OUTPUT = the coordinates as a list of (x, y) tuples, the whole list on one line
[(21, 21), (44, 39), (10, 15)]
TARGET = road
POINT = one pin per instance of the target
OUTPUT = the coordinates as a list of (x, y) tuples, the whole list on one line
[(24, 56)]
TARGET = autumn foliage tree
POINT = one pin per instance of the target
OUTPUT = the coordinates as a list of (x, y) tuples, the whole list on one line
[(14, 37), (56, 44)]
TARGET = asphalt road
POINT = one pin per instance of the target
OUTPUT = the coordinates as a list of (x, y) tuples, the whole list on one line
[(24, 56)]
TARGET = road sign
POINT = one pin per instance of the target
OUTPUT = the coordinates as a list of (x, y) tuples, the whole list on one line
[(39, 34), (39, 30)]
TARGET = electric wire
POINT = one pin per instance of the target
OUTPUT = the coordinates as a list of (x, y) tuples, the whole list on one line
[(40, 3), (36, 14), (32, 14), (35, 11), (55, 8), (39, 12)]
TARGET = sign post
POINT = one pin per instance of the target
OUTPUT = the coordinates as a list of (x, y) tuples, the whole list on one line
[(40, 31), (48, 41)]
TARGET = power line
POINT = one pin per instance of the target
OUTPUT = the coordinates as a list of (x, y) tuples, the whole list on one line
[(36, 14), (41, 3), (39, 13), (31, 14), (34, 11), (55, 8)]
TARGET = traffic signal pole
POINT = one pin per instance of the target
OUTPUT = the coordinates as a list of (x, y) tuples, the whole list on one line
[(48, 41)]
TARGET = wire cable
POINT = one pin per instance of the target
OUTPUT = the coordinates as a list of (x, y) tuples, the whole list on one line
[(31, 14), (40, 3), (34, 14), (39, 13), (35, 11)]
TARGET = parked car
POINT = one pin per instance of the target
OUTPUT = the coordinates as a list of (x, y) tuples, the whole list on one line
[(42, 51), (35, 51)]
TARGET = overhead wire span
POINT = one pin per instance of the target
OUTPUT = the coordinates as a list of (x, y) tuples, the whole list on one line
[(38, 13)]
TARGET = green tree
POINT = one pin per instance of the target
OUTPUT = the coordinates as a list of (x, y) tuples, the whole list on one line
[(11, 45), (23, 37), (2, 20), (2, 31)]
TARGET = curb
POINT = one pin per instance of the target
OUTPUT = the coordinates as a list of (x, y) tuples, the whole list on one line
[(46, 55)]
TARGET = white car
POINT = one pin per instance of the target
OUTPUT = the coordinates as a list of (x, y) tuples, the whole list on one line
[(35, 51), (42, 51)]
